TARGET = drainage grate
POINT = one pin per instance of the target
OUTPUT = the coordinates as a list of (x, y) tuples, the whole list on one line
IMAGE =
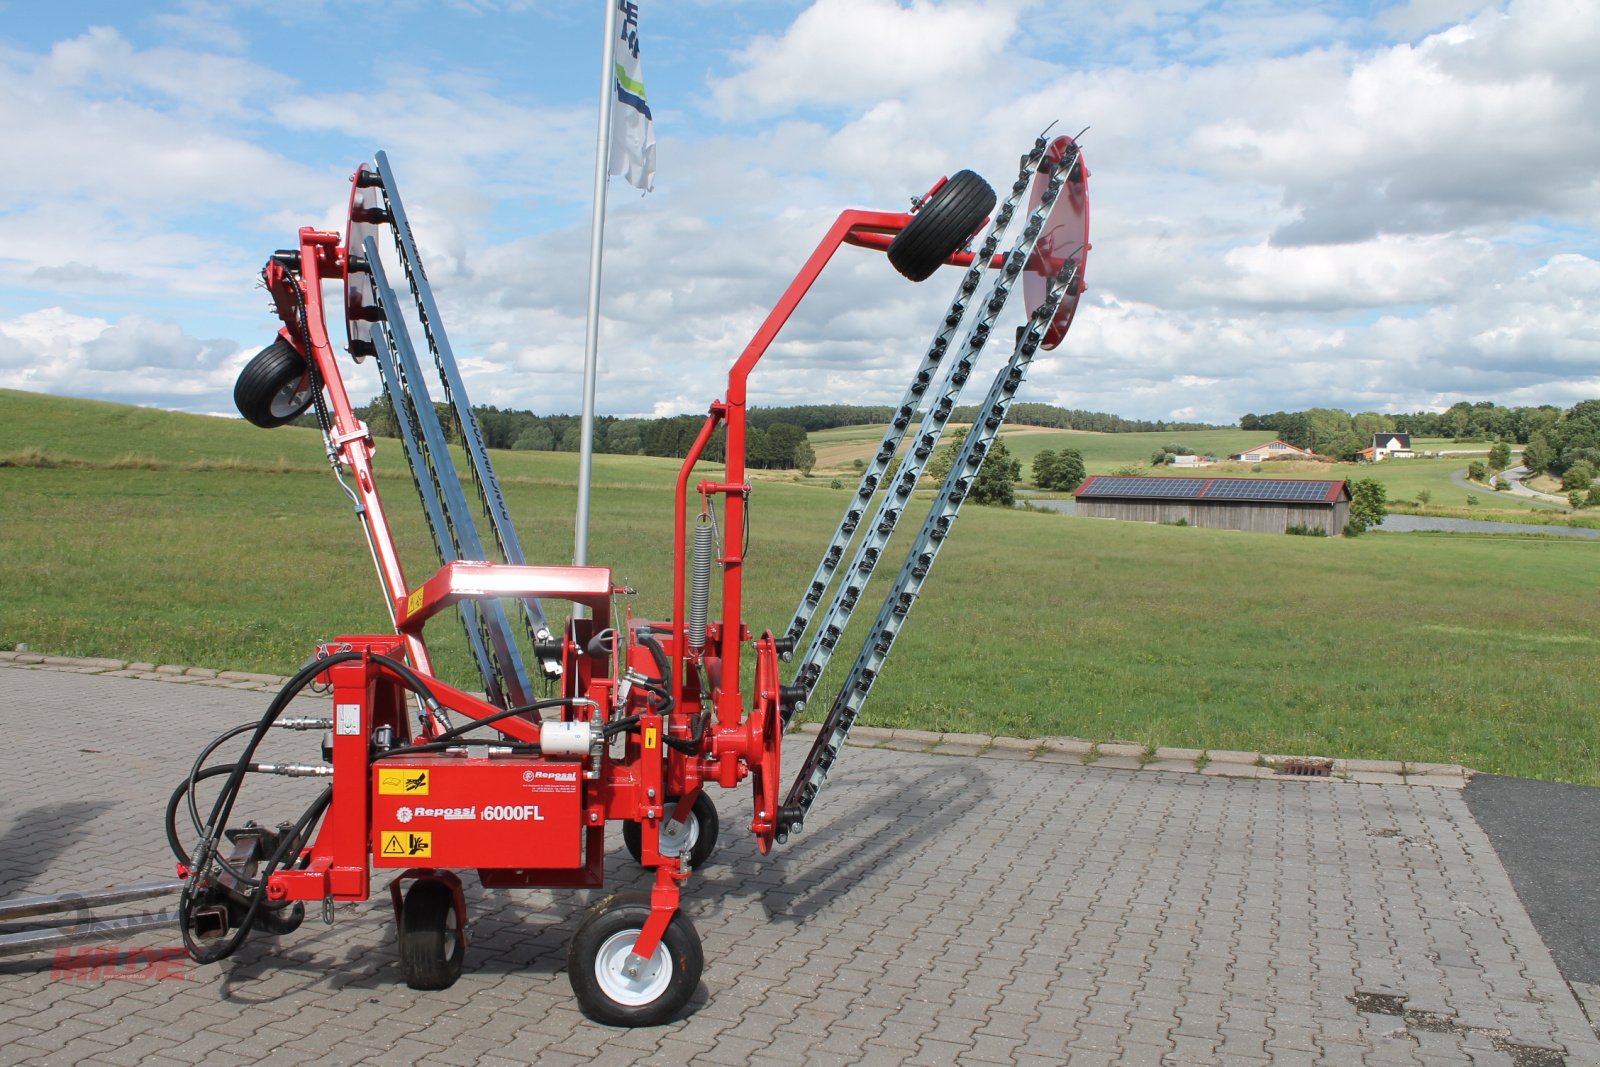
[(1306, 767)]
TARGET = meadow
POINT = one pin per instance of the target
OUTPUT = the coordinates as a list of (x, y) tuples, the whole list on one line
[(1404, 481), (181, 539)]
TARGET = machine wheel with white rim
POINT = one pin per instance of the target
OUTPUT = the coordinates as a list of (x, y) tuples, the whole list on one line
[(274, 387), (609, 988), (698, 837)]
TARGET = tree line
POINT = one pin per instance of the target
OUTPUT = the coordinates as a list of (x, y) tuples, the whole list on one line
[(1554, 439), (776, 439), (771, 444)]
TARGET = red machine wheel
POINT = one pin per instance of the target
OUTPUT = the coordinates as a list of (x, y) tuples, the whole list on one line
[(599, 954), (274, 387), (431, 953), (700, 839), (942, 225), (766, 738)]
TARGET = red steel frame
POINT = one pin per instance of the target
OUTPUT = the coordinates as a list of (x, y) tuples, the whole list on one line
[(865, 229), (339, 863)]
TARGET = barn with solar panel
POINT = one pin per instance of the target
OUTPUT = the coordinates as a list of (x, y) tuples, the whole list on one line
[(1258, 505)]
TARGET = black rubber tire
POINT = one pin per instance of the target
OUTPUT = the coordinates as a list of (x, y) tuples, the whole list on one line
[(942, 225), (430, 948), (705, 842), (604, 938), (273, 388)]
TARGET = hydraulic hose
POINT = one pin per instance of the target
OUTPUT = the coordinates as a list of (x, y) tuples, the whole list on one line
[(184, 791), (290, 843), (206, 854)]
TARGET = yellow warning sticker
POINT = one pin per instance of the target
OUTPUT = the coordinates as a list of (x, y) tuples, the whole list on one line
[(649, 738), (408, 843), (403, 783), (414, 602)]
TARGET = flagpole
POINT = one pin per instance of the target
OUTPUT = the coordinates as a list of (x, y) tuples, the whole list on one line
[(591, 336)]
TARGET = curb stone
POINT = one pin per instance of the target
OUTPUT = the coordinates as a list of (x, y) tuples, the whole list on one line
[(1067, 751)]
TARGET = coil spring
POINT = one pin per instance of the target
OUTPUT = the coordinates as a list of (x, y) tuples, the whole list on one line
[(705, 532)]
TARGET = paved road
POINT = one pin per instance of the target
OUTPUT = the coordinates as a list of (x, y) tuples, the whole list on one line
[(937, 910), (1513, 477), (1532, 826)]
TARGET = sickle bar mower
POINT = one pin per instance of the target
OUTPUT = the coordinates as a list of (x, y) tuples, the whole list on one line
[(641, 716)]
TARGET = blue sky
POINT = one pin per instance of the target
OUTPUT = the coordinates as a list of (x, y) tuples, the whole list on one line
[(1372, 206)]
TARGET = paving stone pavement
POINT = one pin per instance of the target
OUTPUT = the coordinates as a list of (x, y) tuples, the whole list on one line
[(938, 909)]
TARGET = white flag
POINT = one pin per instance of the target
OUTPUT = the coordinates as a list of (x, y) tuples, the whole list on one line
[(633, 133)]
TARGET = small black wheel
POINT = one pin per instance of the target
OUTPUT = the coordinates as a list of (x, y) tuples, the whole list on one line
[(700, 834), (942, 225), (274, 387), (598, 958), (430, 936)]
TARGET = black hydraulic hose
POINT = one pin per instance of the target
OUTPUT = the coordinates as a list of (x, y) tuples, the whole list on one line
[(186, 790), (647, 638), (664, 702), (207, 853), (223, 806), (691, 744), (612, 729), (538, 705), (520, 748), (195, 775), (291, 842)]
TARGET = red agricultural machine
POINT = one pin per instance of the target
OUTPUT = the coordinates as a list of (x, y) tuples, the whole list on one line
[(639, 716)]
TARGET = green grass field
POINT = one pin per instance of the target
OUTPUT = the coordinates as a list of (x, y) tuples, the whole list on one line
[(226, 546), (1106, 452)]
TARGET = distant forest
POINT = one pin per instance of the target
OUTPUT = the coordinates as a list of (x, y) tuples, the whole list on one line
[(777, 436), (1555, 440)]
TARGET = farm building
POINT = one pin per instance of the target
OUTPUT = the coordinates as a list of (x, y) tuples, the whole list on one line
[(1273, 450), (1391, 445), (1259, 505)]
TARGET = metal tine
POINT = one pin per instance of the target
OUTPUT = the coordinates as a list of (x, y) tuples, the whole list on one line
[(483, 475), (60, 903), (919, 559), (511, 678), (887, 516), (894, 433), (83, 903), (400, 399), (25, 941)]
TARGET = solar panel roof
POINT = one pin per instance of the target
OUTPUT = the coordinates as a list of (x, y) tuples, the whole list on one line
[(1141, 487), (1281, 490)]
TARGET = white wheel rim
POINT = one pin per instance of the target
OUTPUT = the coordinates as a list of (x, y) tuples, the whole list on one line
[(289, 399), (452, 935), (691, 834), (654, 976)]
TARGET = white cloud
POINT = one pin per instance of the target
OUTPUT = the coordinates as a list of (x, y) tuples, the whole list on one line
[(136, 360), (1471, 128), (1381, 272), (1290, 207), (856, 52)]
